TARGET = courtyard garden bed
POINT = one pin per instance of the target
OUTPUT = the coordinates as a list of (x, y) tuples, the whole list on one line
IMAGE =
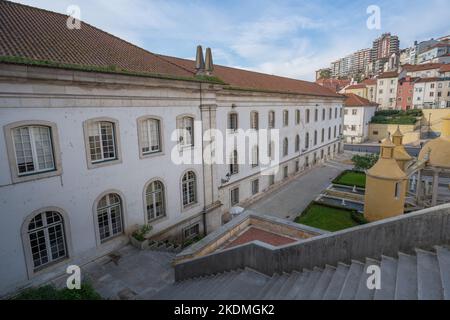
[(351, 178), (330, 218)]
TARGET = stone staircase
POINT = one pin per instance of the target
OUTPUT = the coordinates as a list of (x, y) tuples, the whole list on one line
[(424, 275)]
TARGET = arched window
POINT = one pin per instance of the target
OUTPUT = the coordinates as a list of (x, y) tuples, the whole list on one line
[(297, 143), (254, 120), (47, 239), (307, 140), (154, 198), (315, 137), (271, 123), (189, 188), (234, 166), (285, 147), (109, 216)]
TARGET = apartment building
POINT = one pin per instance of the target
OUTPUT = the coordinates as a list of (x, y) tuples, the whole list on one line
[(387, 90), (93, 136)]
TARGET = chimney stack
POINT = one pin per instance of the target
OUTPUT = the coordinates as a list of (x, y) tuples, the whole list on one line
[(199, 62), (209, 66)]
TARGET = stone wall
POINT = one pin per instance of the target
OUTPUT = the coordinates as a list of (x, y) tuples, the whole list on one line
[(421, 229), (378, 132)]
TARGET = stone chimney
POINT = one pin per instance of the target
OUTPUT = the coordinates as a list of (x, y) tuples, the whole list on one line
[(199, 62), (209, 66)]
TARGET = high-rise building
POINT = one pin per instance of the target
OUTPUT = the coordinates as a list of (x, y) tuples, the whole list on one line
[(384, 46)]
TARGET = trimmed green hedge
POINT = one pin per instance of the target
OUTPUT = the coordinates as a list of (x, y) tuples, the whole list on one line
[(351, 178), (396, 116), (49, 292), (329, 217)]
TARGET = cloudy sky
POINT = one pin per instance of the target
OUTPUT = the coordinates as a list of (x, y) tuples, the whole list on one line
[(290, 38)]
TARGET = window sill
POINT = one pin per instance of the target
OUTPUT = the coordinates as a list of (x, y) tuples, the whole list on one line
[(151, 155), (103, 163), (189, 206), (35, 176)]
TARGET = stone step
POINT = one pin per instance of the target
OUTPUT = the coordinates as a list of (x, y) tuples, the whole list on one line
[(222, 291), (323, 283), (220, 281), (245, 286), (192, 285), (336, 282), (210, 285), (351, 282), (275, 289), (268, 286), (299, 283), (290, 282), (406, 281), (443, 256), (306, 289), (363, 292), (388, 279), (429, 284)]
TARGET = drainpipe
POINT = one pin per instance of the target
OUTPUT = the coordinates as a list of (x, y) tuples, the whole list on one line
[(205, 231)]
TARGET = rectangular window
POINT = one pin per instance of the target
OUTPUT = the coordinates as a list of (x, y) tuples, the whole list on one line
[(297, 116), (150, 136), (316, 115), (254, 120), (397, 189), (285, 117), (271, 179), (354, 112), (297, 166), (233, 121), (271, 119), (102, 145), (307, 115), (285, 172), (255, 186), (33, 149), (323, 114), (191, 232), (187, 133), (345, 112), (234, 196)]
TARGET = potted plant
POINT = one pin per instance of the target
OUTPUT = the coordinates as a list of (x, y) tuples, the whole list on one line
[(138, 237)]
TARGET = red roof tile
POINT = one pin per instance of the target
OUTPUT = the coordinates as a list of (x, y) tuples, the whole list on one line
[(38, 34), (353, 100), (445, 68), (421, 67), (356, 86), (370, 82), (252, 234), (390, 74)]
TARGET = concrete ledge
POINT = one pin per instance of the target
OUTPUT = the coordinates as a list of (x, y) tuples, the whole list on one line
[(421, 229)]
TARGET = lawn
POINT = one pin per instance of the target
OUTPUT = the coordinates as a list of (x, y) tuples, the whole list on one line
[(351, 178), (326, 218)]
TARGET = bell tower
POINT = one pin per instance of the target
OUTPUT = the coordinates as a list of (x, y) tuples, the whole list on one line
[(385, 186), (400, 154)]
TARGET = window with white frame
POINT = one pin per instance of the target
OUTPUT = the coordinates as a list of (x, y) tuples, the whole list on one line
[(323, 114), (285, 118), (354, 112), (33, 149), (191, 232), (254, 120), (102, 141), (330, 113), (255, 186), (315, 137), (307, 140), (297, 166), (271, 179), (154, 198), (233, 121), (189, 188), (307, 115), (150, 130), (234, 196), (186, 126), (271, 123), (285, 172), (316, 115), (297, 143), (47, 239), (323, 135), (109, 216)]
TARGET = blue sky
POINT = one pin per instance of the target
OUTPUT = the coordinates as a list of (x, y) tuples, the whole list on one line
[(290, 38)]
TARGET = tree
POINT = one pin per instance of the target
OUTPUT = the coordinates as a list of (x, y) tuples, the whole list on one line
[(364, 162), (325, 74)]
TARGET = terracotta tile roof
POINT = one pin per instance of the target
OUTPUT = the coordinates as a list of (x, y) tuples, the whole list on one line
[(370, 82), (445, 68), (356, 86), (254, 80), (38, 34), (353, 100), (253, 234), (421, 67), (432, 79), (390, 74), (333, 84)]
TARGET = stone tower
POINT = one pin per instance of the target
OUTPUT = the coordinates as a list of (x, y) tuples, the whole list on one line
[(385, 186), (400, 154)]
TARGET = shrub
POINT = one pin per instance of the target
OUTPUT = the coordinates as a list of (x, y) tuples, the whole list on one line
[(49, 292), (141, 232), (358, 217), (364, 162)]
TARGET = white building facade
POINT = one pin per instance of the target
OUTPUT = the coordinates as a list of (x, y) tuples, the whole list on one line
[(387, 90), (357, 115)]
